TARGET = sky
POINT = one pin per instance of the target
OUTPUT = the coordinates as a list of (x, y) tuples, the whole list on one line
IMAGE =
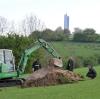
[(82, 13)]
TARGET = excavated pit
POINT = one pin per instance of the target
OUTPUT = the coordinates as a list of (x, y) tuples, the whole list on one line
[(51, 76)]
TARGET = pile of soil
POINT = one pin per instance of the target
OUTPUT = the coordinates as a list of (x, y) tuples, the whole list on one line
[(51, 76)]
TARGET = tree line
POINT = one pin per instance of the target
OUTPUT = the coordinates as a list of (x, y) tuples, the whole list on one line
[(32, 26), (86, 35), (26, 26)]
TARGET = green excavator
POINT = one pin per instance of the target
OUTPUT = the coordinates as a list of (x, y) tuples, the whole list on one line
[(9, 74)]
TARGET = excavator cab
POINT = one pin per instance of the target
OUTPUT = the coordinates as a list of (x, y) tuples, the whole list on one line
[(7, 61)]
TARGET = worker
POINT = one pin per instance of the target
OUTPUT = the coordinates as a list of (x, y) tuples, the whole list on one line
[(91, 73), (36, 65), (70, 64)]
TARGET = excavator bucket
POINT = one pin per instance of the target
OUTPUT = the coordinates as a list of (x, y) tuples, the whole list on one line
[(56, 62)]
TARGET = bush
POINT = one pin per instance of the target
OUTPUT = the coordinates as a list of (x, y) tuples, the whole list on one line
[(18, 44), (78, 61), (81, 61)]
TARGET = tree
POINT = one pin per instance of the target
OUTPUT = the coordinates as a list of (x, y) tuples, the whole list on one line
[(12, 27), (36, 34), (3, 24), (87, 35), (31, 23), (90, 34), (59, 29), (24, 27), (89, 31), (48, 35), (77, 30)]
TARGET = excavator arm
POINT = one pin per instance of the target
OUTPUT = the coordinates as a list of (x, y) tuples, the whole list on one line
[(48, 48), (38, 44)]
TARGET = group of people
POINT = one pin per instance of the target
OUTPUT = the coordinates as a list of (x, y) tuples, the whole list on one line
[(91, 71), (70, 66)]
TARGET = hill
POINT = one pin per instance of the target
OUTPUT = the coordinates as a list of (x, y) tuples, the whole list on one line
[(83, 52)]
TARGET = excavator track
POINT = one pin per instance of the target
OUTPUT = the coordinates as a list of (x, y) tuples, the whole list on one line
[(11, 82)]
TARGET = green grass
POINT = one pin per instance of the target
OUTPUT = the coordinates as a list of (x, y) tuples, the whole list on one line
[(83, 53), (88, 89), (76, 49)]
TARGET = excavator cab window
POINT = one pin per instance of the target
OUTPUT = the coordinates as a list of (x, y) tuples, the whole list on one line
[(7, 57), (0, 67)]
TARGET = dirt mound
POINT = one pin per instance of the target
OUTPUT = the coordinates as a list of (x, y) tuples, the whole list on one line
[(51, 76)]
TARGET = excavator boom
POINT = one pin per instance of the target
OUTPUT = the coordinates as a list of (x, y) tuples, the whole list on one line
[(38, 44)]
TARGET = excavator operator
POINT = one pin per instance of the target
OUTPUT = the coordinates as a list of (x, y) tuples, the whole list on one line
[(36, 65)]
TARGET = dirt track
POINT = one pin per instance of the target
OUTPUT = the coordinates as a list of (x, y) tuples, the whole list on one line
[(51, 76)]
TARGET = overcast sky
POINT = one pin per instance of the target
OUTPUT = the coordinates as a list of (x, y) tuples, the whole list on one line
[(82, 13)]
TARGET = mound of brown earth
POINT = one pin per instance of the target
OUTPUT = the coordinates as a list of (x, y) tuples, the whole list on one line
[(51, 76)]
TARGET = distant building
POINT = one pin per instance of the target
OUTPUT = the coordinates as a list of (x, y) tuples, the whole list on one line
[(66, 22)]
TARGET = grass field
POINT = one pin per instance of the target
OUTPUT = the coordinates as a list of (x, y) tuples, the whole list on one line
[(77, 49), (83, 53), (88, 89)]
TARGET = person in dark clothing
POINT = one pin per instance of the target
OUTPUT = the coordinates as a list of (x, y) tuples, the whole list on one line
[(91, 73), (36, 65), (70, 64)]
